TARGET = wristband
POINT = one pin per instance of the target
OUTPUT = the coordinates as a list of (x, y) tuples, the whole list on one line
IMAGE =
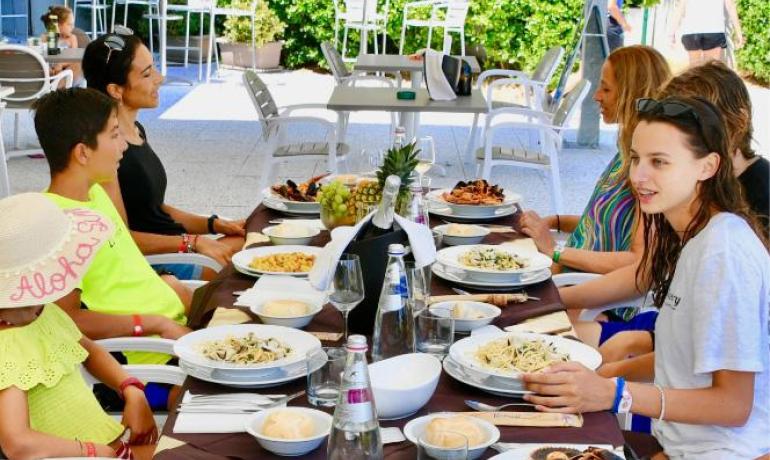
[(556, 255), (90, 449), (138, 330), (210, 223), (620, 384), (183, 244), (129, 382)]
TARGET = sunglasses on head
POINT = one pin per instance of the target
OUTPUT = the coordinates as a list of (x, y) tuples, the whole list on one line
[(115, 40), (673, 109)]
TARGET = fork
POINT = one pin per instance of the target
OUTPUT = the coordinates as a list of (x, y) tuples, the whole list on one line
[(254, 407)]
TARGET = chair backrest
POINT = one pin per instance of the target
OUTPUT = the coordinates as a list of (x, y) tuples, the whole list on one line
[(548, 64), (354, 10), (25, 70), (570, 102), (456, 12), (83, 38), (336, 64), (261, 97)]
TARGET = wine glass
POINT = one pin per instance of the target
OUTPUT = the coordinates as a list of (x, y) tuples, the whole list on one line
[(426, 157), (347, 286)]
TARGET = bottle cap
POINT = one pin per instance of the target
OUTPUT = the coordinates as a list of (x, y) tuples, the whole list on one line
[(396, 249), (356, 343)]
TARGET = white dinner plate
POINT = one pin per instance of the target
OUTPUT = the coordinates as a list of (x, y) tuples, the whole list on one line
[(450, 258), (462, 278), (247, 381), (472, 210), (522, 451), (447, 213), (462, 352), (276, 202), (242, 259), (188, 347), (485, 383)]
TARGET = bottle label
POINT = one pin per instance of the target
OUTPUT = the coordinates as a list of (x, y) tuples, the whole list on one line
[(357, 406)]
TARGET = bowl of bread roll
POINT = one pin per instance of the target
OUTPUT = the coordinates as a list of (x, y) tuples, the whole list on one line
[(290, 431), (290, 310)]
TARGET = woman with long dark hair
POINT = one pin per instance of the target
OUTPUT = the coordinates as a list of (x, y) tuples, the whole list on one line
[(707, 265)]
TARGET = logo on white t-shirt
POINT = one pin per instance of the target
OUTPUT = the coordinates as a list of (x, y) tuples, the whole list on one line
[(672, 301)]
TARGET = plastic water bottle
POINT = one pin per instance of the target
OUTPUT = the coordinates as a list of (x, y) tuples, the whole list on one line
[(394, 323), (355, 433)]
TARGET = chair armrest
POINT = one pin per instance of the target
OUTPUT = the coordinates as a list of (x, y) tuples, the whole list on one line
[(194, 284), (65, 75), (184, 258), (499, 73), (156, 373), (571, 279), (590, 314), (149, 344), (286, 109), (543, 118)]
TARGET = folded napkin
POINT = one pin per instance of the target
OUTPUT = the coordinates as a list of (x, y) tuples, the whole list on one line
[(435, 78), (280, 287), (224, 316), (255, 238), (552, 323), (505, 418), (420, 240), (187, 422), (167, 442), (522, 246)]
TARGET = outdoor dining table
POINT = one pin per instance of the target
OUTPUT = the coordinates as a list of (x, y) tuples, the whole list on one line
[(598, 428), (352, 98), (66, 56)]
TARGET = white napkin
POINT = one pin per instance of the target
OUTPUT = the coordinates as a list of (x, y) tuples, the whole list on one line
[(277, 286), (420, 240), (187, 422), (438, 86)]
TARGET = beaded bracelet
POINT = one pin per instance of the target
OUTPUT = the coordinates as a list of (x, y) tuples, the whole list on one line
[(662, 402)]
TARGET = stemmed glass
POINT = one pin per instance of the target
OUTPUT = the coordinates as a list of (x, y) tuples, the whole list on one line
[(426, 157), (347, 286)]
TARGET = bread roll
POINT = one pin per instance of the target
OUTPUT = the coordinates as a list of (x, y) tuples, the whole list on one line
[(442, 432), (291, 231), (288, 425), (285, 308)]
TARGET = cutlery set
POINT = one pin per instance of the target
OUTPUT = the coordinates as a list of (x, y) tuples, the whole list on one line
[(234, 403)]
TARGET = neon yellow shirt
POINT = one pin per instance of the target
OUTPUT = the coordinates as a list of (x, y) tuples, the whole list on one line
[(43, 359), (119, 280)]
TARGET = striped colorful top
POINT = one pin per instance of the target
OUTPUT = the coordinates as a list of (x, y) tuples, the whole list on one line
[(608, 220)]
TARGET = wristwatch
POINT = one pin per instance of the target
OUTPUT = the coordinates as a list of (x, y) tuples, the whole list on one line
[(557, 250), (625, 401)]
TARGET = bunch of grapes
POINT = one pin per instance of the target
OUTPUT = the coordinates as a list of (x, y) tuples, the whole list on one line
[(333, 197)]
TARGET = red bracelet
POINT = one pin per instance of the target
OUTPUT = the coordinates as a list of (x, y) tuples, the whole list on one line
[(138, 326), (130, 382), (90, 449), (183, 244)]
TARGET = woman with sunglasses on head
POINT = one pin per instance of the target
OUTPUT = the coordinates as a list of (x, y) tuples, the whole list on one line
[(120, 66), (707, 265)]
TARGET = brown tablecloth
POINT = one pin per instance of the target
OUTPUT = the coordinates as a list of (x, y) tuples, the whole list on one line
[(599, 428)]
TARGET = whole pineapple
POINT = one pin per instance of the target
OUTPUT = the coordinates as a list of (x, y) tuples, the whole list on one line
[(400, 161)]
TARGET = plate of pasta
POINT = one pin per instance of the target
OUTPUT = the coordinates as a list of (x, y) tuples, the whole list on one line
[(511, 354), (246, 347), (490, 263), (291, 260)]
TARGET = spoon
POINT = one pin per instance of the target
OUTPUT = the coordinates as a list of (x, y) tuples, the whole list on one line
[(482, 407)]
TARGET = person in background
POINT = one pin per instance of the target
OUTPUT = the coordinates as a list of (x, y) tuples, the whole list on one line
[(605, 236), (616, 24), (67, 38), (123, 296), (703, 30), (46, 408), (120, 66), (706, 262)]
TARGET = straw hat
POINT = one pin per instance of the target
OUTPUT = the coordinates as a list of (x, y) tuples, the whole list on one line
[(44, 250)]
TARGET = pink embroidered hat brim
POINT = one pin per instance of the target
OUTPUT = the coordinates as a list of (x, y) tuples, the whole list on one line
[(44, 250)]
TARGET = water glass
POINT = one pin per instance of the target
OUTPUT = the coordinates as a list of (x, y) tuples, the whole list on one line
[(419, 286), (324, 375), (457, 447), (438, 238), (434, 333), (347, 286)]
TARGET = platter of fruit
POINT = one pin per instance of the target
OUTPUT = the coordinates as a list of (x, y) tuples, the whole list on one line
[(294, 198), (345, 197)]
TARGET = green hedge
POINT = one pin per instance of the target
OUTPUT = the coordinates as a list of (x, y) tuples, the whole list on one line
[(754, 57)]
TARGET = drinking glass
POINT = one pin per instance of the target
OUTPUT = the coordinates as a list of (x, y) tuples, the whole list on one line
[(324, 375), (347, 286), (438, 238), (458, 449), (426, 157), (419, 285), (434, 333)]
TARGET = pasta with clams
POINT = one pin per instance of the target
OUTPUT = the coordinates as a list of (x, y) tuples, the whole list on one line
[(509, 354), (245, 350)]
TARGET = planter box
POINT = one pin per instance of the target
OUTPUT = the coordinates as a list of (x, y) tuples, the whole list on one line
[(178, 55), (239, 55)]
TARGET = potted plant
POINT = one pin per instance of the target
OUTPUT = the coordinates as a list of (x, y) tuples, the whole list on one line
[(236, 48)]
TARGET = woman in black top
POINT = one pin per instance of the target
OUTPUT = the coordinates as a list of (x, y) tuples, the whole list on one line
[(121, 66)]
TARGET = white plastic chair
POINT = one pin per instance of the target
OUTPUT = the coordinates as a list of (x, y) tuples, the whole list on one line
[(361, 15), (98, 15), (215, 11), (25, 70), (200, 7), (274, 131), (590, 314), (543, 154), (449, 15), (151, 5), (535, 88)]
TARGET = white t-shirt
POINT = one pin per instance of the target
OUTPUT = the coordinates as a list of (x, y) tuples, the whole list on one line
[(716, 317), (703, 17)]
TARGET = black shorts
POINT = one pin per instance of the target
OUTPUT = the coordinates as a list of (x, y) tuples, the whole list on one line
[(695, 42)]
